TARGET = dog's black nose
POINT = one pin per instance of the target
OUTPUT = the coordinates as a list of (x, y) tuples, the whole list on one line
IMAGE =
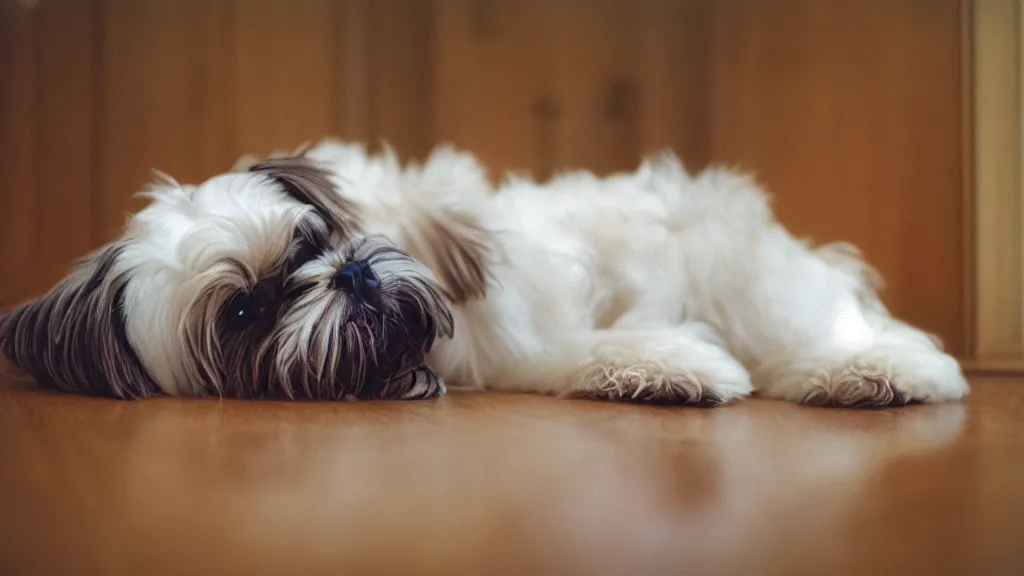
[(357, 278)]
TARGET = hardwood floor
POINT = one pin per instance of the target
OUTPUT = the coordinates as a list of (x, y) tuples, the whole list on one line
[(490, 484)]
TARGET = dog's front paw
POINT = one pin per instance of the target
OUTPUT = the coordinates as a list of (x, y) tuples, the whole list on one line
[(642, 383), (655, 381), (421, 384)]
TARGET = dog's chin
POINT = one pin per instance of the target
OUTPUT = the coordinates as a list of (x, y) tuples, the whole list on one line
[(395, 348)]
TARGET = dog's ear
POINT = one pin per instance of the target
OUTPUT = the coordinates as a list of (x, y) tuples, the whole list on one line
[(455, 247), (73, 338), (311, 184)]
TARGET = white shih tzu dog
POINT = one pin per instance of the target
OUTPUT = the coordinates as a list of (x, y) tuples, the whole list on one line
[(339, 274)]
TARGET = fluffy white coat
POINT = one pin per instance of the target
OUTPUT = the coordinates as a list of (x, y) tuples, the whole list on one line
[(653, 285)]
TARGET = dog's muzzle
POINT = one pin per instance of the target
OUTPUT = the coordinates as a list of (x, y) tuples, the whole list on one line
[(357, 279)]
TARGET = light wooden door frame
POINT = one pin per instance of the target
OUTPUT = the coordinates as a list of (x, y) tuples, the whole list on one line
[(994, 207)]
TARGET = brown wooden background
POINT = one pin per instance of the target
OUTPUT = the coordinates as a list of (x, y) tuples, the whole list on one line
[(850, 111)]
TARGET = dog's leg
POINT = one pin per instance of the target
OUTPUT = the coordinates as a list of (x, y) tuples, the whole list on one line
[(900, 365), (676, 365), (420, 384), (809, 326)]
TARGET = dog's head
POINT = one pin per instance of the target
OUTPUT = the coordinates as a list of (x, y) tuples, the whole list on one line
[(256, 282)]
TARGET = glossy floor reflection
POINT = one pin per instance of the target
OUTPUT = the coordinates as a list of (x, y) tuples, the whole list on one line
[(489, 484)]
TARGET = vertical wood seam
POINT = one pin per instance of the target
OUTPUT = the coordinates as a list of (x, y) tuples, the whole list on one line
[(373, 136), (37, 144), (229, 126), (335, 112), (968, 180), (97, 125), (1019, 64), (428, 66)]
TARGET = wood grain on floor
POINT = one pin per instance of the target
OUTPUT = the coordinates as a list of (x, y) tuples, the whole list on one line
[(486, 484)]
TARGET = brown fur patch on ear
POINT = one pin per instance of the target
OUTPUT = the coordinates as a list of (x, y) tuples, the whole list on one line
[(457, 250), (311, 184), (73, 338)]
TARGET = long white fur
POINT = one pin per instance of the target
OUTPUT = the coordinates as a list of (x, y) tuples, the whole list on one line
[(670, 274)]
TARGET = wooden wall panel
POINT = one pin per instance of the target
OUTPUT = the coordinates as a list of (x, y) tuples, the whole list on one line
[(492, 85), (401, 103), (67, 100), (672, 65), (571, 84), (211, 55), (17, 137), (153, 60), (47, 128), (850, 113), (932, 170), (284, 59), (631, 78), (595, 88), (352, 96)]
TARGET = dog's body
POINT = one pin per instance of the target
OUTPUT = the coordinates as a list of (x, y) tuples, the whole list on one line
[(652, 286)]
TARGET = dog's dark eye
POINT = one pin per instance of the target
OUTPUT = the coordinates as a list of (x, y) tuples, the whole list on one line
[(245, 309)]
